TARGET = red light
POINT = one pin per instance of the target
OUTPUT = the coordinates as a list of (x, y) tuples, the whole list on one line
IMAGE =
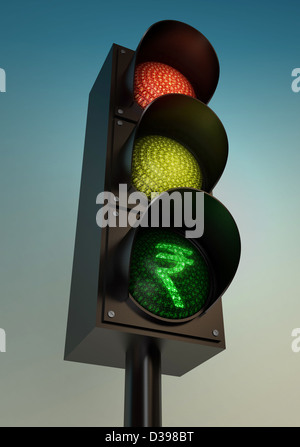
[(154, 79)]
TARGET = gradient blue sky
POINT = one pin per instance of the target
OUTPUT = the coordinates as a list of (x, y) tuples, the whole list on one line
[(52, 52)]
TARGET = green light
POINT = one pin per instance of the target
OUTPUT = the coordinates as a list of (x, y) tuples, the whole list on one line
[(169, 276), (180, 263), (160, 163)]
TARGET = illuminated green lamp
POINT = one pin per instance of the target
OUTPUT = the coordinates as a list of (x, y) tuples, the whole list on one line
[(169, 276), (160, 163)]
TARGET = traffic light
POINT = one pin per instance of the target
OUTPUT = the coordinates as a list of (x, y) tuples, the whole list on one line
[(152, 139)]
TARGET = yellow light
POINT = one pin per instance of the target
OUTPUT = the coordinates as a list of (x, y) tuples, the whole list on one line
[(154, 79), (160, 163)]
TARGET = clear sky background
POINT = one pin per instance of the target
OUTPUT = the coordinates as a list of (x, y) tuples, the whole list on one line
[(52, 52)]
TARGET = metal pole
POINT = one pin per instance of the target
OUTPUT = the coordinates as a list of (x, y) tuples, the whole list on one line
[(142, 385)]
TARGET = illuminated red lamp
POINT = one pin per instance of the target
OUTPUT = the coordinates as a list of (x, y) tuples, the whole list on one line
[(154, 79)]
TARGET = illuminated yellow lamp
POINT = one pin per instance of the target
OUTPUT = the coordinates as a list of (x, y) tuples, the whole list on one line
[(160, 163)]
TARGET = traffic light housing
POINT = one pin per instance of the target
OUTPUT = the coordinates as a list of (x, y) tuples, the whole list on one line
[(117, 269)]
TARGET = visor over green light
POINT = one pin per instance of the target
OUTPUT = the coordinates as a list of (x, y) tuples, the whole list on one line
[(169, 276), (160, 163)]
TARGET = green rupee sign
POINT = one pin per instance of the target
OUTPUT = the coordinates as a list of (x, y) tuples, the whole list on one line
[(169, 276), (176, 256)]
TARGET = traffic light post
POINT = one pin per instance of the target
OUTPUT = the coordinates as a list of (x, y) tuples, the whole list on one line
[(148, 279), (143, 407)]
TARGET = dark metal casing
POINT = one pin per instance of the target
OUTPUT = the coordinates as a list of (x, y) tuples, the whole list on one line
[(98, 279)]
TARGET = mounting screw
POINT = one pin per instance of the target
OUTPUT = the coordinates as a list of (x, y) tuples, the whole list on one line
[(120, 123), (215, 332), (116, 199), (123, 51), (115, 213), (111, 314), (120, 111)]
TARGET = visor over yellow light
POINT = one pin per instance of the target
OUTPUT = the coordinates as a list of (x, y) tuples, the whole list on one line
[(160, 163)]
